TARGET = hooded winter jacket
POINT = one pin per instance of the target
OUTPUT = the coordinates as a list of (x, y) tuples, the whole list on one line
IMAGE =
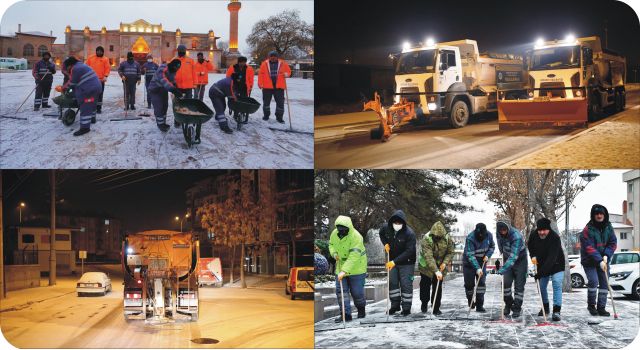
[(510, 245), (352, 256), (436, 248), (475, 249), (597, 239), (547, 251), (100, 65), (402, 243)]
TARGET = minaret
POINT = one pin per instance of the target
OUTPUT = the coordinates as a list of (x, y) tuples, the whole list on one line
[(234, 8)]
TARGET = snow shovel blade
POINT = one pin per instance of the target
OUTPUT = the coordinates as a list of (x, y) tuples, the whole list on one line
[(12, 117), (51, 115), (144, 114), (393, 319), (292, 131), (124, 119), (320, 328), (553, 114)]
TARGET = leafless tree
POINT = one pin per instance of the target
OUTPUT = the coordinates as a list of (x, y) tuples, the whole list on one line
[(285, 33)]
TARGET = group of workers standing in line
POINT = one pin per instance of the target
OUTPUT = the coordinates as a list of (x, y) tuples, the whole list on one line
[(597, 245), (182, 76)]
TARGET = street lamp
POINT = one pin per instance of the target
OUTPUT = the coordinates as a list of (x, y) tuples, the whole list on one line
[(22, 205), (177, 218)]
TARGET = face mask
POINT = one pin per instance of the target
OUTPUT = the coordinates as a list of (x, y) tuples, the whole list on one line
[(200, 60), (342, 231), (99, 54), (397, 227), (181, 53), (46, 59)]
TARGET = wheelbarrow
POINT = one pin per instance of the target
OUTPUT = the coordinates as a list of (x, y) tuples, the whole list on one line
[(67, 106), (191, 113), (241, 109)]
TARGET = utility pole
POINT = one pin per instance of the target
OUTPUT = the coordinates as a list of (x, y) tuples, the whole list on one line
[(3, 290), (606, 35), (52, 231)]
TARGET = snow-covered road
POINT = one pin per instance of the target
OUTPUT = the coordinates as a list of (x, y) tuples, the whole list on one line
[(54, 317), (44, 142), (485, 330)]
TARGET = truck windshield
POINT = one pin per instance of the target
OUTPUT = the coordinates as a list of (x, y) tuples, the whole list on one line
[(555, 58), (416, 62)]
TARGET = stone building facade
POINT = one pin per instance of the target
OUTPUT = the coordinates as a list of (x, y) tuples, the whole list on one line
[(28, 45)]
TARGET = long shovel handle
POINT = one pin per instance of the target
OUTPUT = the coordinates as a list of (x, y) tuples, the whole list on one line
[(613, 305), (286, 93), (475, 288), (433, 305), (388, 286), (502, 296), (34, 89), (344, 323), (544, 313)]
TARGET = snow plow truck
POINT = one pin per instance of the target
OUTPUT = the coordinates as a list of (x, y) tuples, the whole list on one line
[(449, 80), (570, 83), (161, 276)]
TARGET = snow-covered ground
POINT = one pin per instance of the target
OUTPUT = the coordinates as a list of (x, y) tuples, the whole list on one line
[(486, 330), (44, 142), (54, 317)]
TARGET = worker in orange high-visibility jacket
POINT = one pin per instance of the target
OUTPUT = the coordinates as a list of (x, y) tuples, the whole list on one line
[(243, 76), (101, 66), (202, 68), (271, 80), (186, 75)]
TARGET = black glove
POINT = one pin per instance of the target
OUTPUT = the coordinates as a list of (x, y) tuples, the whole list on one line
[(179, 94), (536, 276)]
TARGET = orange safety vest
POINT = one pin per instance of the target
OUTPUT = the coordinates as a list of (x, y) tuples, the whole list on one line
[(249, 78), (264, 76), (186, 75), (100, 65), (202, 72)]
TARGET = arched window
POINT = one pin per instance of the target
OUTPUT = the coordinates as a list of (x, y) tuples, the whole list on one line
[(41, 50), (27, 50), (9, 51)]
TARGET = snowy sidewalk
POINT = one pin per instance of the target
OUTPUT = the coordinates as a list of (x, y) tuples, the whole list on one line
[(44, 142), (485, 331)]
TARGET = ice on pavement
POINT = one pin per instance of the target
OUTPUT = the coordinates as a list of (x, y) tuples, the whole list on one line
[(44, 142), (485, 330)]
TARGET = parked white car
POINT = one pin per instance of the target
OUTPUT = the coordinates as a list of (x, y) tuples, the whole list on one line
[(93, 283), (624, 274), (578, 277)]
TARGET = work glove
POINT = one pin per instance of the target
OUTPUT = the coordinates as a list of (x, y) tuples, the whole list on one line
[(536, 276), (286, 75), (123, 78), (479, 272), (485, 259), (390, 265), (439, 275), (178, 94), (534, 261), (341, 275), (387, 248), (138, 83), (442, 267), (605, 259), (603, 265), (59, 88)]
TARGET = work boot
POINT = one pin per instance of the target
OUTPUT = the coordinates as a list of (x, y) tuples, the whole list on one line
[(406, 312), (516, 313), (133, 108), (546, 309), (347, 318), (424, 307), (507, 309), (280, 120), (592, 310), (225, 127), (603, 312), (556, 313), (394, 309), (36, 108), (149, 105), (93, 120), (266, 117), (81, 131), (164, 127), (99, 109), (361, 312), (437, 312), (126, 108), (479, 308), (45, 105)]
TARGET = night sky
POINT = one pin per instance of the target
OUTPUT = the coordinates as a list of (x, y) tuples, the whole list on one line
[(365, 32), (143, 199)]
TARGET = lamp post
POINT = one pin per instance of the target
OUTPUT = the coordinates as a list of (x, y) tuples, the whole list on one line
[(177, 218), (22, 205)]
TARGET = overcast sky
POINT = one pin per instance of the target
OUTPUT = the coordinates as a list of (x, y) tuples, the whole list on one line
[(607, 189), (189, 16)]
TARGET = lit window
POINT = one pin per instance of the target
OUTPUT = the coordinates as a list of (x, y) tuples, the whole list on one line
[(155, 29), (148, 30), (125, 29)]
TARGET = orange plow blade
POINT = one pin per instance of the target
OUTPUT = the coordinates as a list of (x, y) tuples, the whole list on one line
[(555, 113)]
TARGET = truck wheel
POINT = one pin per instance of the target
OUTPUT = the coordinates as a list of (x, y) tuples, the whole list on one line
[(293, 296), (595, 110), (376, 133), (459, 114)]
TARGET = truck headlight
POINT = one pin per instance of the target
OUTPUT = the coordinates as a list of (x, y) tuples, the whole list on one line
[(432, 106), (530, 93), (578, 93), (619, 276)]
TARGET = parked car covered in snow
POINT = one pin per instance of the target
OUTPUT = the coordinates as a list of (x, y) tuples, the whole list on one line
[(93, 283), (624, 274), (578, 277), (300, 282)]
